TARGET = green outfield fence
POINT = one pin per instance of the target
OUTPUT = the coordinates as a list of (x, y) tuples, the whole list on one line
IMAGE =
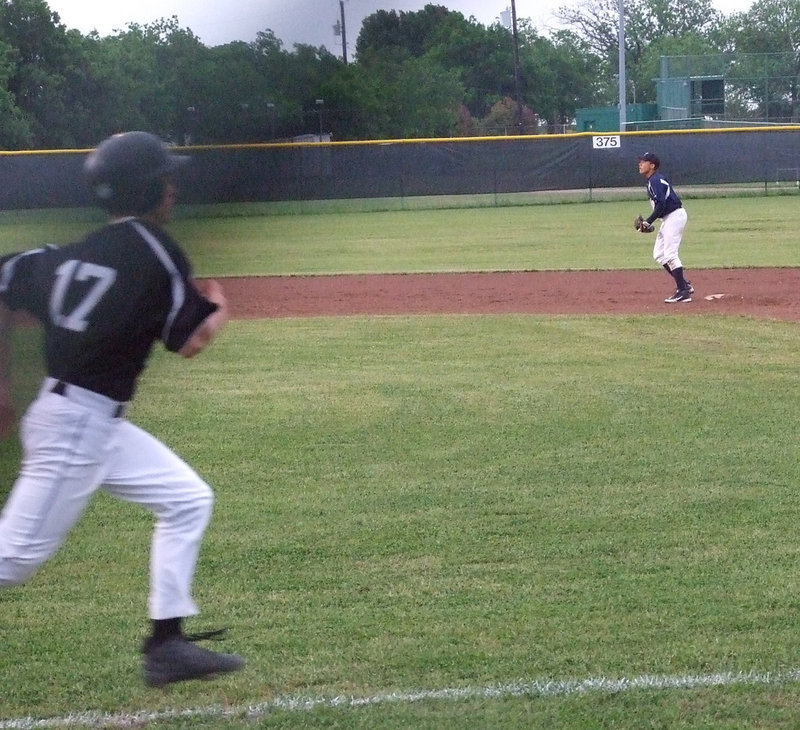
[(429, 167)]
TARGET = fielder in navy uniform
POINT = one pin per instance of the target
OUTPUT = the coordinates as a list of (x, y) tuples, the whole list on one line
[(103, 303), (668, 207)]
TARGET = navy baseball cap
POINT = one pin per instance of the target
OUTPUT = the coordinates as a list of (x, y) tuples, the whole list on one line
[(650, 157)]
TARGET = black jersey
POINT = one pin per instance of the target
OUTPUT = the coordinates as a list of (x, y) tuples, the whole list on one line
[(663, 196), (104, 301)]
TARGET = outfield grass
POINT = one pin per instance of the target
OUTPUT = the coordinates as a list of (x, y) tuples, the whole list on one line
[(417, 503), (722, 232), (414, 504)]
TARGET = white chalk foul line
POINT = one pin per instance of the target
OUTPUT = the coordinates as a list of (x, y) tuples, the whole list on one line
[(301, 703)]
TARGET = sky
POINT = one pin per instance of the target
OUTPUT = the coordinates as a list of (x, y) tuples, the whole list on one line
[(311, 22)]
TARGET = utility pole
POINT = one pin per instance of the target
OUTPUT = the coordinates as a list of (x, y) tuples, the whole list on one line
[(344, 33), (517, 84)]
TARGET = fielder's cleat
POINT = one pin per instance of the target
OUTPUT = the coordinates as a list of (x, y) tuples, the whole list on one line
[(178, 659), (681, 295)]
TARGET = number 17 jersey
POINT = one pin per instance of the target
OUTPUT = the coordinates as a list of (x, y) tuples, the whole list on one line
[(104, 301)]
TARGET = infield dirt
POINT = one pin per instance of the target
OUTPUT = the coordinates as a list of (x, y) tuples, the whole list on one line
[(767, 293)]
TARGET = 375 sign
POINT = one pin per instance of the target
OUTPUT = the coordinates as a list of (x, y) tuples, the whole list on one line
[(606, 142)]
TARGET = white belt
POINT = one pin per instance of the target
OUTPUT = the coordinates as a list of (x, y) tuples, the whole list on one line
[(87, 398)]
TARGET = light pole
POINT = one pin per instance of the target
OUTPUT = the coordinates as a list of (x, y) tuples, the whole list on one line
[(191, 125), (622, 118), (271, 112), (320, 103), (517, 92)]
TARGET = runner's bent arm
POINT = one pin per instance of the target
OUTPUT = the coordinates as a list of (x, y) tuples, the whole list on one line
[(212, 324)]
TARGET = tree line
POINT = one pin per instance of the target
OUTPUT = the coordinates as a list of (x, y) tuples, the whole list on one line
[(428, 73)]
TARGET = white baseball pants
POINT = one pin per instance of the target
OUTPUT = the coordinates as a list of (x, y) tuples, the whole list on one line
[(668, 239), (73, 445)]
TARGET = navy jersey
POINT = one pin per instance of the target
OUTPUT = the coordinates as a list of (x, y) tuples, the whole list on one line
[(104, 301), (662, 195)]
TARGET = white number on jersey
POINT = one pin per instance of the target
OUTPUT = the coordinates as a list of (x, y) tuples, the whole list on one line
[(69, 272)]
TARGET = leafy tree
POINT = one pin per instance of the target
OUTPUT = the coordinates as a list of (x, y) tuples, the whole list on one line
[(224, 98), (502, 118), (15, 127), (426, 99), (309, 68), (466, 124), (182, 65), (411, 97), (276, 69), (415, 32), (646, 22), (41, 56), (597, 22), (354, 103), (431, 72), (559, 74), (483, 57), (124, 86), (555, 75), (653, 19), (145, 77)]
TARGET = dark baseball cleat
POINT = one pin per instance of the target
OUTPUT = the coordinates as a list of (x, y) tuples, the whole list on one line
[(690, 287), (178, 659), (681, 295)]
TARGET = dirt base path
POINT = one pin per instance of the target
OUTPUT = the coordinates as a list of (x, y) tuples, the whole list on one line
[(768, 293)]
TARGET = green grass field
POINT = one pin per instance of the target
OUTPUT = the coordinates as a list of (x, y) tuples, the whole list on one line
[(454, 521), (722, 232)]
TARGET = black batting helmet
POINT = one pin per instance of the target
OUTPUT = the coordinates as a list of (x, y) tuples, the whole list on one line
[(126, 172)]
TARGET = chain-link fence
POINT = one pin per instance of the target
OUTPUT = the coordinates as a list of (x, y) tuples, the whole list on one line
[(746, 87)]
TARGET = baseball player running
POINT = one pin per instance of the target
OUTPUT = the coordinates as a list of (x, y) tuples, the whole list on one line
[(668, 207), (103, 303)]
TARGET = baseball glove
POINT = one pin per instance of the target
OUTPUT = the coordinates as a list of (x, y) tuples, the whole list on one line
[(641, 225)]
